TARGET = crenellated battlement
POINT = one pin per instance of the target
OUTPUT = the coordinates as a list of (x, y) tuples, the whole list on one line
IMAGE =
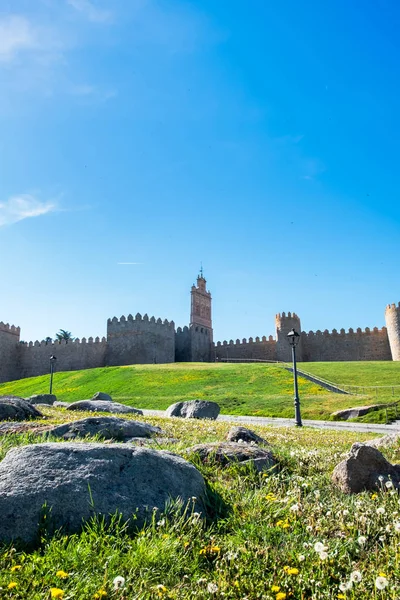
[(7, 328), (392, 307), (289, 315), (245, 342), (343, 332), (54, 344), (125, 322)]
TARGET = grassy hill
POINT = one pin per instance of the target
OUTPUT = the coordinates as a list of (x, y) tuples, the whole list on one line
[(252, 389)]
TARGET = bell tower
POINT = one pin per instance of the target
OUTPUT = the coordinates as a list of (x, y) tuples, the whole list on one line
[(200, 328)]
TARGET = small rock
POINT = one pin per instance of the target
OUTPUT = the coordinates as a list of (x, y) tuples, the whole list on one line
[(103, 406), (353, 413), (76, 481), (62, 404), (106, 427), (13, 408), (194, 409), (365, 468), (226, 453), (102, 396), (235, 434), (387, 441), (42, 399)]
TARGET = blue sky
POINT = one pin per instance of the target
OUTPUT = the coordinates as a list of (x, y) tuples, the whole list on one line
[(258, 137)]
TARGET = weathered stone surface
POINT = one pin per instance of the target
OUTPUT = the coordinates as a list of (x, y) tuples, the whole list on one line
[(13, 408), (42, 399), (107, 427), (226, 453), (365, 468), (152, 441), (194, 409), (387, 441), (62, 404), (236, 434), (353, 413), (79, 480), (102, 396), (103, 406), (22, 427)]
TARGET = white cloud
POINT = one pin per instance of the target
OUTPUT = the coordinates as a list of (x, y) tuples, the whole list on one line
[(24, 206), (16, 34), (91, 12)]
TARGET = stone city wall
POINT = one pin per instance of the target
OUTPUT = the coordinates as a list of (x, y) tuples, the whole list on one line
[(261, 349), (9, 339), (34, 357), (140, 340), (392, 317), (351, 345)]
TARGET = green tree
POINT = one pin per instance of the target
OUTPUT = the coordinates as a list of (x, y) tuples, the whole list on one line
[(63, 334)]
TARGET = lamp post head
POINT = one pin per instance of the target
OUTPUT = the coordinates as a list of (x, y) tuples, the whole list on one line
[(53, 358), (293, 338)]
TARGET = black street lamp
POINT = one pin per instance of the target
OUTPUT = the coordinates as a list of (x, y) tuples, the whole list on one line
[(52, 362), (294, 339)]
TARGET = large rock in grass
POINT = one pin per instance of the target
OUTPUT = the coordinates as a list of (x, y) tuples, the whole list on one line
[(109, 428), (103, 406), (354, 413), (194, 409), (365, 468), (13, 408), (227, 453), (42, 399), (75, 481), (242, 434), (102, 396)]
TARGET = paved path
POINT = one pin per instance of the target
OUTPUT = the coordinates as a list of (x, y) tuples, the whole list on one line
[(278, 422)]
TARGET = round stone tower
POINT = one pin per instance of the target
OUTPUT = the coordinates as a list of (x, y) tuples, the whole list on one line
[(392, 318), (283, 324)]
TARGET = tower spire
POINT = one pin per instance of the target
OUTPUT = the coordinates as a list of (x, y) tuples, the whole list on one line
[(201, 270)]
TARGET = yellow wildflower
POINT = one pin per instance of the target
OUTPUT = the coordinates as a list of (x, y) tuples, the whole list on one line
[(12, 585), (374, 496), (281, 596), (56, 593), (186, 544), (100, 594), (341, 596), (215, 549), (292, 571), (275, 588), (382, 575), (16, 568), (62, 574)]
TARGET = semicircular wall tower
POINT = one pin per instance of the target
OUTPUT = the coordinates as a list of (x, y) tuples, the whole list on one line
[(392, 317), (283, 324)]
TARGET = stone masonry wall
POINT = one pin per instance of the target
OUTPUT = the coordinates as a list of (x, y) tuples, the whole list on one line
[(392, 317), (140, 340), (9, 339), (34, 358), (261, 349), (351, 345), (183, 351)]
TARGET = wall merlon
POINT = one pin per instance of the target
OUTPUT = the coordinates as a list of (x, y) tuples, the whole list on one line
[(7, 328)]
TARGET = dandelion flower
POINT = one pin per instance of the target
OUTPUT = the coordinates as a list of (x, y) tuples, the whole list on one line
[(16, 568), (301, 557), (295, 507), (56, 593), (100, 594), (381, 582), (280, 596), (162, 588), (212, 588), (118, 582), (293, 571), (356, 576), (346, 585), (397, 527), (161, 523), (340, 596), (62, 574), (319, 547), (380, 511), (12, 585), (323, 555), (275, 588), (389, 485), (361, 540)]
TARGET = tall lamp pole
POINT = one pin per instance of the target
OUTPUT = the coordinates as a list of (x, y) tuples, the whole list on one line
[(52, 362), (294, 338)]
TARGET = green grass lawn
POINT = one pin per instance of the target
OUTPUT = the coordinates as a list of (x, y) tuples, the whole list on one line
[(262, 540), (360, 373), (240, 389)]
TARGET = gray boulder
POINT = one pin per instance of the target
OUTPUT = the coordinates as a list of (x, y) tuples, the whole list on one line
[(42, 399), (226, 453), (242, 434), (79, 480), (365, 468), (387, 441), (13, 408), (102, 396), (353, 413), (103, 406), (194, 409), (62, 404), (109, 428)]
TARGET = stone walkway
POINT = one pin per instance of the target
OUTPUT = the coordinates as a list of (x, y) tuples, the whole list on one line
[(278, 422)]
